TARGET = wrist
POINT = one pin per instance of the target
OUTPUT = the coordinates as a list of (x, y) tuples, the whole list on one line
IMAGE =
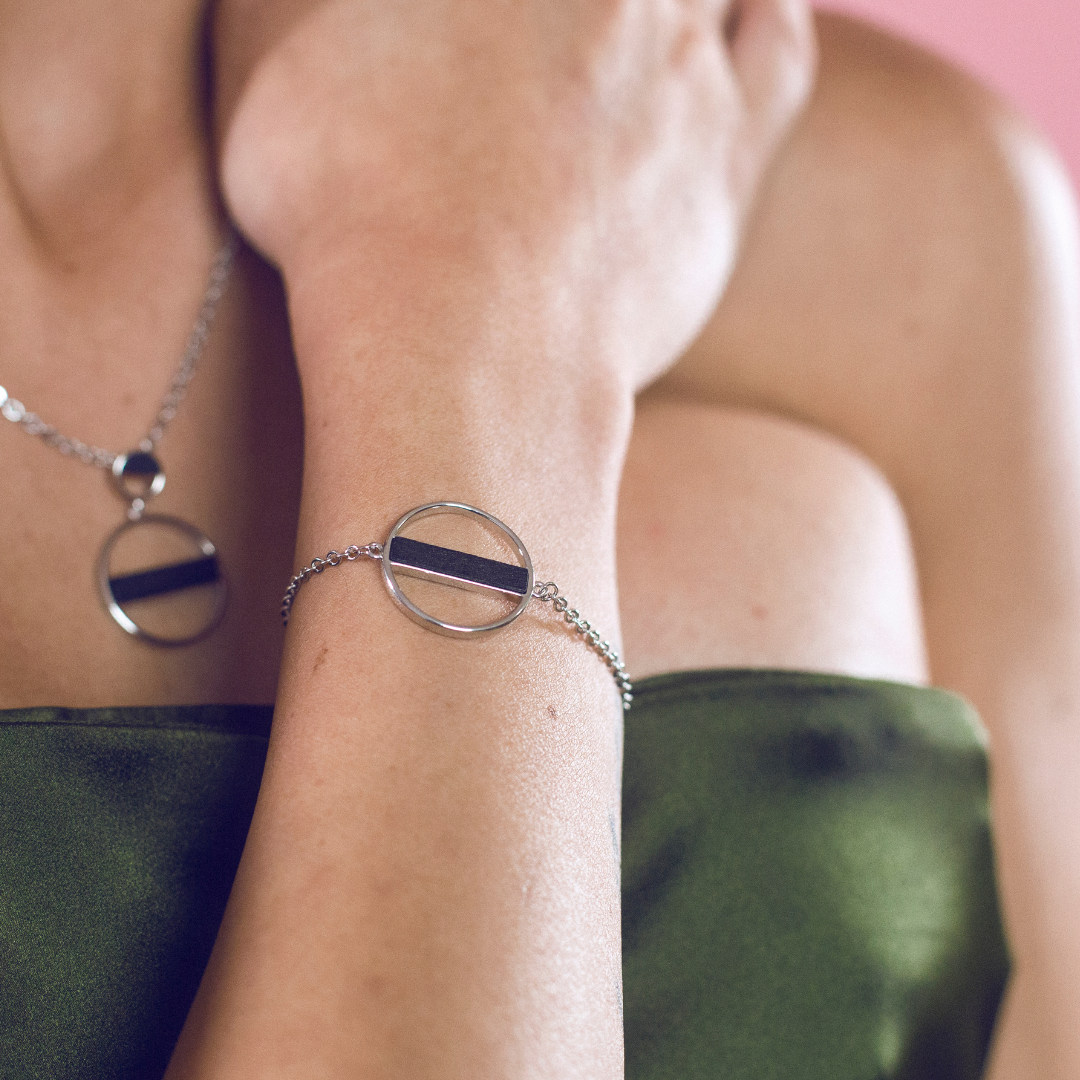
[(391, 430), (457, 350), (427, 389)]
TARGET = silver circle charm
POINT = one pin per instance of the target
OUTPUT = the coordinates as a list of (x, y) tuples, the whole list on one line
[(137, 476), (402, 555), (178, 578)]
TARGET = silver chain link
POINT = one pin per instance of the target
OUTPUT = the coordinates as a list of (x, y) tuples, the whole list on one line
[(14, 410), (547, 592), (317, 566)]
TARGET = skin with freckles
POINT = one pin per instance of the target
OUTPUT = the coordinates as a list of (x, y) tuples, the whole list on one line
[(507, 290)]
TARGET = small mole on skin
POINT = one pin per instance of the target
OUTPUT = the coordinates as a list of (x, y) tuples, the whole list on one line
[(553, 712), (320, 659)]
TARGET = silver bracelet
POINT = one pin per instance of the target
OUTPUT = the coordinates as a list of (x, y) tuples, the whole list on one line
[(402, 555)]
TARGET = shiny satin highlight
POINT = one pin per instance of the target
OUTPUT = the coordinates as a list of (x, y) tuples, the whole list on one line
[(808, 885)]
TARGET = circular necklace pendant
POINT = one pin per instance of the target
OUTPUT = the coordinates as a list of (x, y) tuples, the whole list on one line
[(159, 577)]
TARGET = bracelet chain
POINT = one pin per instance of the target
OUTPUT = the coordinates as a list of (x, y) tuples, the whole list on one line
[(547, 592), (317, 566)]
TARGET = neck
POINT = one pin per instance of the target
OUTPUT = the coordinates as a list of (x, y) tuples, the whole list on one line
[(108, 214), (101, 120)]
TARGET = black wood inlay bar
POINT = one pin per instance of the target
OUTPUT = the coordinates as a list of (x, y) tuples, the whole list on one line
[(457, 567), (165, 579)]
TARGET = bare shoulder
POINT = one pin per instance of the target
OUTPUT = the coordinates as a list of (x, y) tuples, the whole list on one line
[(912, 221), (886, 79), (881, 101), (901, 252)]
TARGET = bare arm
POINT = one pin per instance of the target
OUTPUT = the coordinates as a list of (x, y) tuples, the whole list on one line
[(475, 212), (911, 286)]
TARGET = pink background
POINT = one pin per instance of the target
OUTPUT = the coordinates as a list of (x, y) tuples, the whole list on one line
[(1027, 49)]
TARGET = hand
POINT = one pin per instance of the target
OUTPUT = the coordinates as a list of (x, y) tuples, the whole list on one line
[(588, 160)]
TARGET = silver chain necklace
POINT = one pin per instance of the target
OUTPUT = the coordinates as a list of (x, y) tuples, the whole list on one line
[(192, 589)]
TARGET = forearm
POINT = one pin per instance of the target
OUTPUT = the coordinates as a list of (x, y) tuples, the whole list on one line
[(430, 885), (494, 223)]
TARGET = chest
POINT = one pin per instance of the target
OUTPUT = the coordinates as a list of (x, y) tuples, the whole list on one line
[(231, 458)]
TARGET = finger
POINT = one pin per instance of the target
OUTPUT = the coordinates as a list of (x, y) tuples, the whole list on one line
[(774, 53)]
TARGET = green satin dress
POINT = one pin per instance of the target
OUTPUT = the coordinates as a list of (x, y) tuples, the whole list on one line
[(808, 880)]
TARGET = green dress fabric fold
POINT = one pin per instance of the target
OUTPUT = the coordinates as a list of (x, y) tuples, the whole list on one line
[(120, 834), (808, 883), (808, 886)]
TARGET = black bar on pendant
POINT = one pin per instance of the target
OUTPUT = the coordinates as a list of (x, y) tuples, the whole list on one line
[(164, 579), (457, 567)]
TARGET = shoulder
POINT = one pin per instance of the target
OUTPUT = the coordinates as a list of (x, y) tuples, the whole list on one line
[(913, 224), (906, 122)]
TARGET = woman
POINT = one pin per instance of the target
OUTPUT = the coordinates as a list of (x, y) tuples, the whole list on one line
[(495, 227)]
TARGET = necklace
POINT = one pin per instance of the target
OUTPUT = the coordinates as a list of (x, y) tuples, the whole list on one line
[(159, 577)]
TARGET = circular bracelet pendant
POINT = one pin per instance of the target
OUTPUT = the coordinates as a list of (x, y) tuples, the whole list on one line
[(506, 588), (159, 577)]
